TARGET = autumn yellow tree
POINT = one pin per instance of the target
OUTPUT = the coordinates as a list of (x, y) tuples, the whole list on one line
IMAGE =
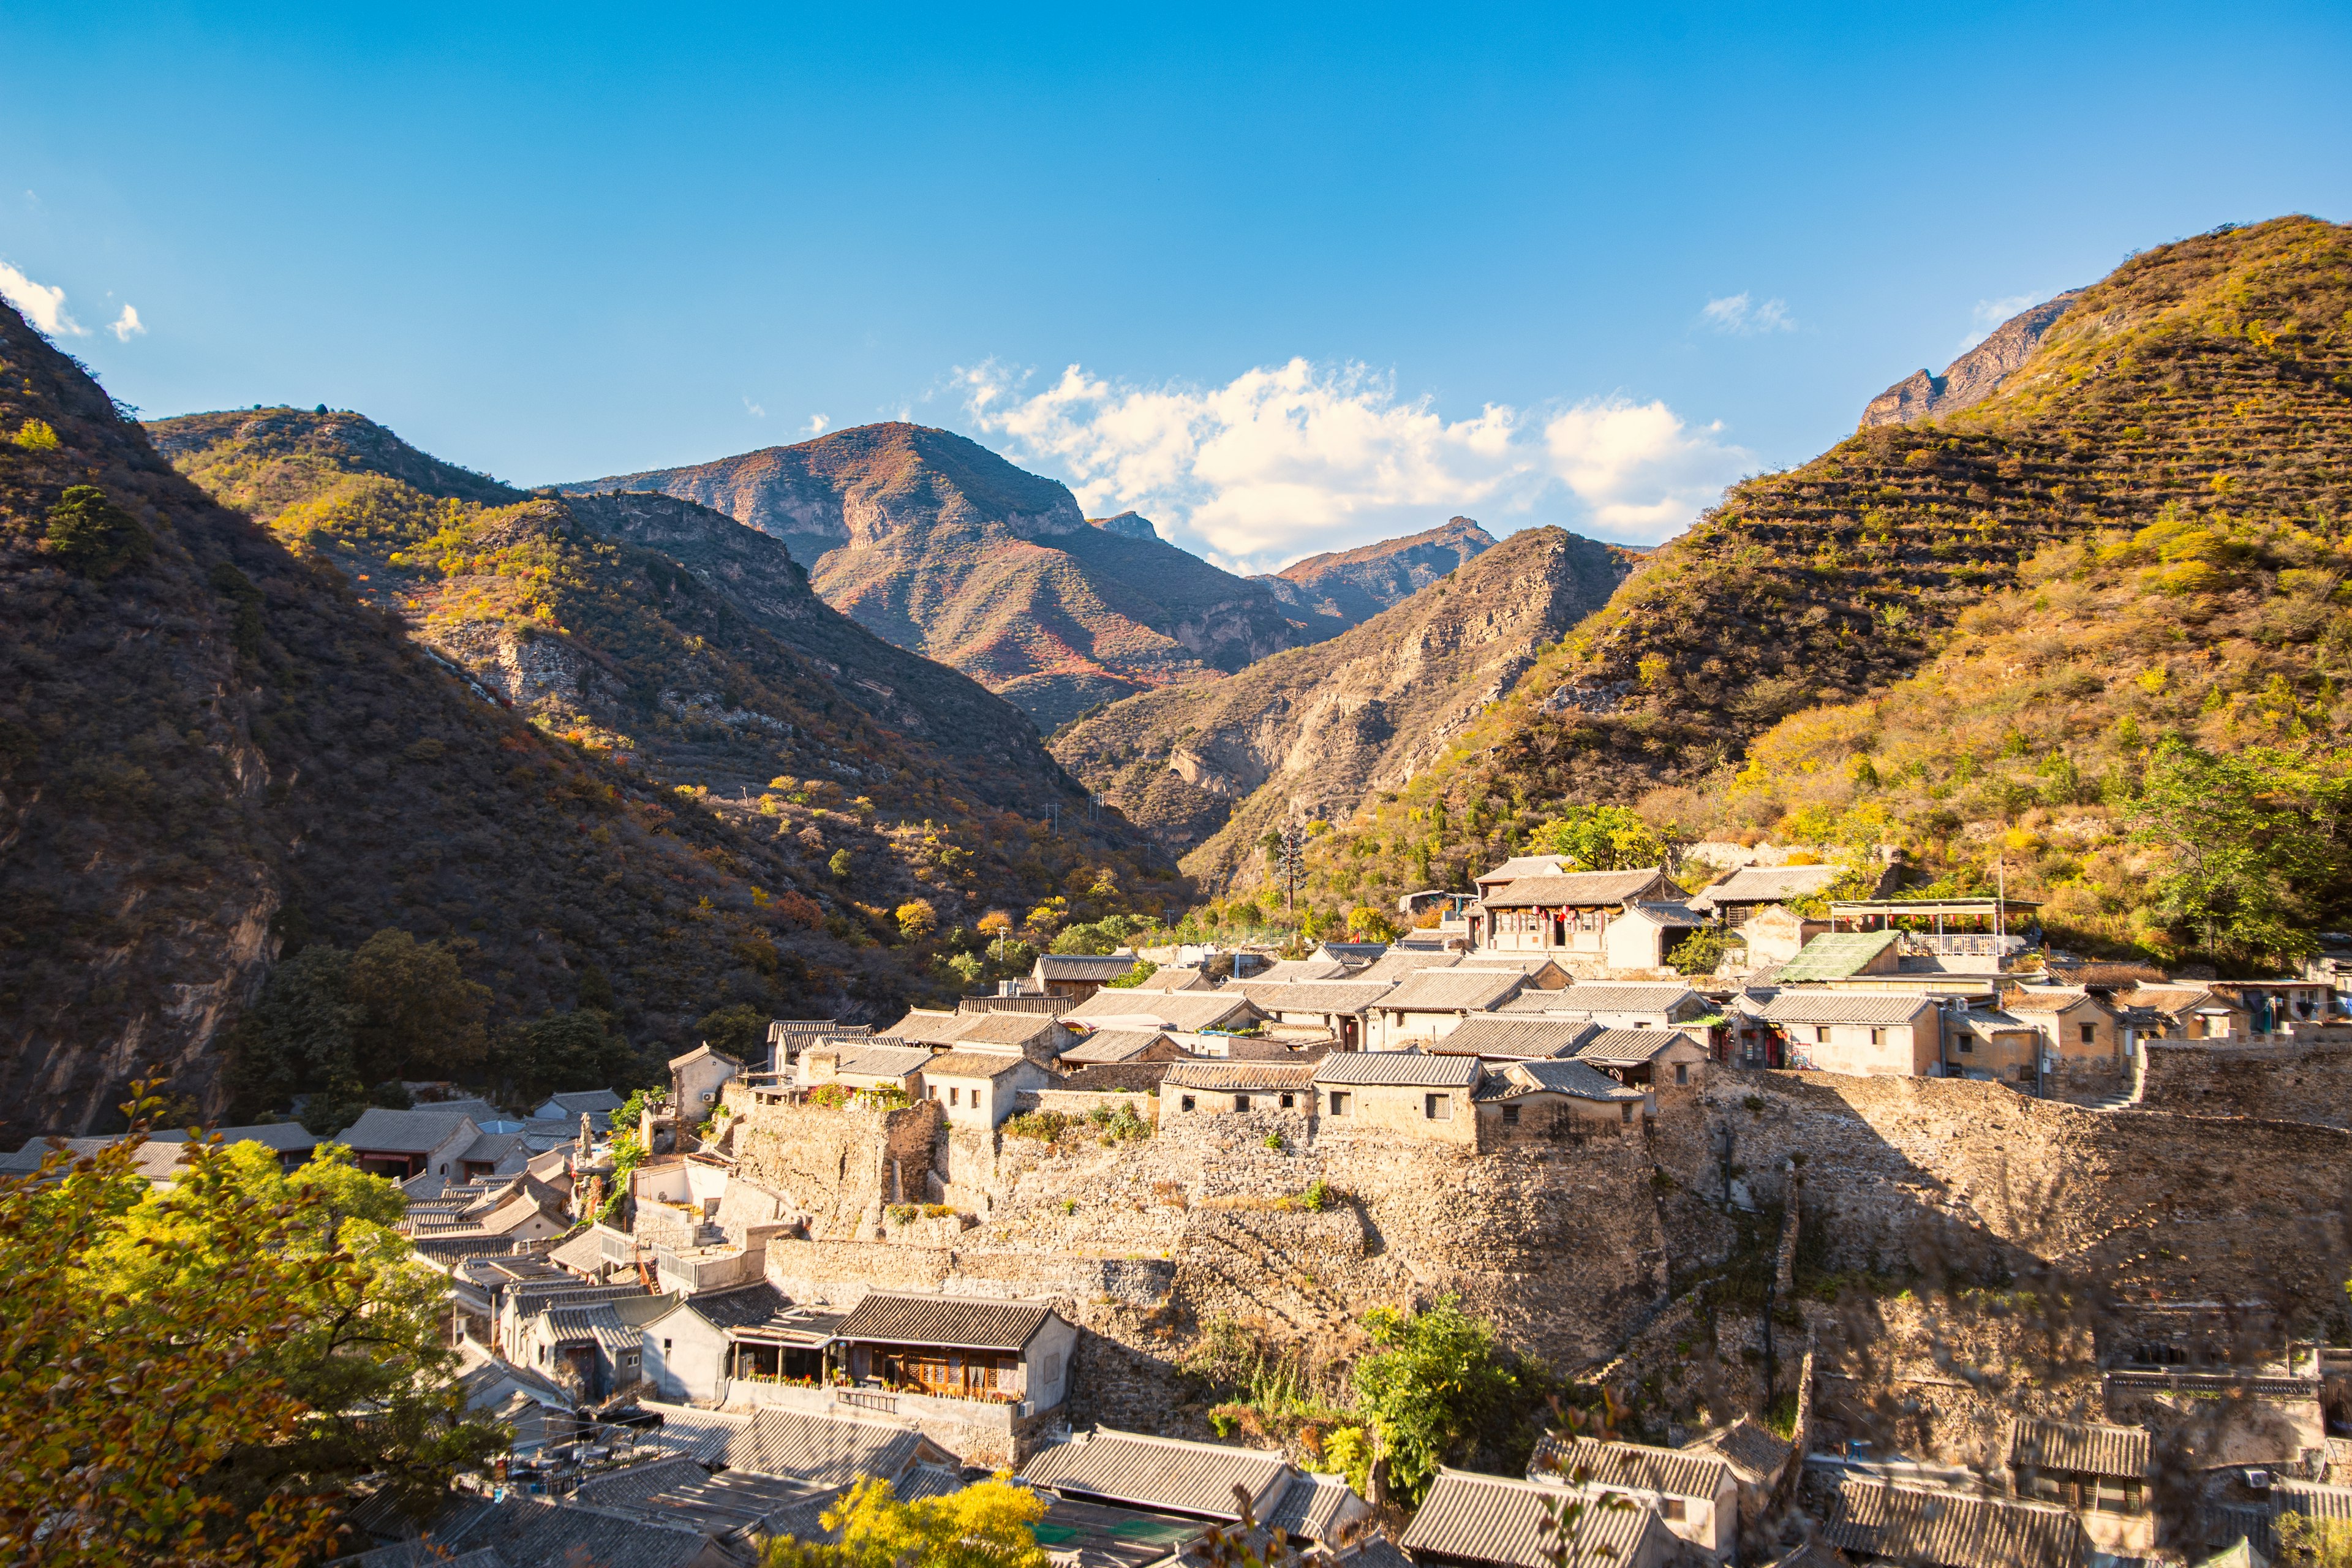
[(985, 1525)]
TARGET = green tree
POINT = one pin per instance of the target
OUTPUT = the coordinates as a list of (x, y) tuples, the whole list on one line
[(298, 1035), (419, 1016), (1432, 1382), (2254, 843), (740, 1031), (1700, 951), (94, 536), (840, 865), (368, 1356), (1601, 838), (561, 1051), (986, 1525)]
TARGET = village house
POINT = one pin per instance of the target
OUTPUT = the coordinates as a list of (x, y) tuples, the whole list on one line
[(1400, 962), (701, 1343), (2078, 1031), (964, 1347), (2277, 1005), (2102, 1473), (830, 1448), (1292, 970), (1758, 1458), (292, 1142), (1189, 1479), (400, 1144), (596, 1104), (1562, 913), (1542, 971), (1108, 1048), (594, 1347), (1228, 1087), (1773, 935), (1989, 1043), (1077, 975), (1694, 1494), (1354, 955), (788, 1036), (1592, 1095), (864, 1065), (1645, 934), (1619, 1005), (1227, 1008), (1174, 977), (1519, 866), (1341, 1009), (1882, 1033), (2187, 1012), (1498, 1037), (1431, 1004), (1402, 1092), (980, 1089), (695, 1080), (1740, 897), (1873, 1520), (1506, 1522), (1040, 1037), (1651, 1058)]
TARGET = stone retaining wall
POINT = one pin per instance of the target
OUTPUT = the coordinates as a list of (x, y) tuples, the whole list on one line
[(2287, 1080)]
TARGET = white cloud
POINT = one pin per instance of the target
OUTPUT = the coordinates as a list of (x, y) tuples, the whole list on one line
[(1990, 314), (43, 305), (127, 325), (817, 425), (753, 409), (1739, 313), (1290, 458)]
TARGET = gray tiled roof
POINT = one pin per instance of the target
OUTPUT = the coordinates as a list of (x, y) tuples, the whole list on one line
[(1883, 1008), (1500, 1520), (1083, 967), (1239, 1075), (1632, 1048), (1314, 995), (1452, 991), (1170, 1474), (825, 1450), (927, 1026), (1407, 1068), (884, 1061), (1310, 1506), (286, 1137), (1768, 885), (1630, 1467), (702, 1435), (1577, 889), (1003, 1028), (1169, 977), (1112, 1045), (1580, 1080), (1297, 971), (680, 1490), (1753, 1450), (1605, 996), (2311, 1500), (2047, 998), (743, 1307), (532, 1532), (424, 1554), (586, 1101), (971, 1322), (1519, 866), (1952, 1529), (989, 1065), (1500, 1035), (2096, 1450), (418, 1132), (1398, 963), (1166, 1009)]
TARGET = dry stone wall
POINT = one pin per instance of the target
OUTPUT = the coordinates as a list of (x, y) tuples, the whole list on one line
[(836, 1166), (2287, 1081)]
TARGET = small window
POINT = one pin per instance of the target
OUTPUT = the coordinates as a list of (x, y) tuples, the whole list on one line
[(1671, 1509), (665, 1347), (1511, 1116), (1289, 1102), (2090, 1034), (1339, 1102), (1625, 1112), (1241, 1102), (1187, 1103), (1877, 1037), (1968, 1046), (1682, 1073), (955, 1097), (1820, 1033), (1437, 1107)]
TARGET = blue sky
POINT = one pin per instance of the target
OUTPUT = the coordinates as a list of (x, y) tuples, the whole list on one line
[(1325, 275)]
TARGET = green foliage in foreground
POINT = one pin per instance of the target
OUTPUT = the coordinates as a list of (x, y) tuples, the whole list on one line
[(1434, 1382)]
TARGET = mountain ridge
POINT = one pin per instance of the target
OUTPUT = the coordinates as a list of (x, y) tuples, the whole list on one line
[(935, 544), (1351, 586)]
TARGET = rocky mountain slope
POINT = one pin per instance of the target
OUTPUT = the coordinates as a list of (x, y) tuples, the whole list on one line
[(937, 544), (1210, 767), (1974, 376), (2206, 385), (1351, 586)]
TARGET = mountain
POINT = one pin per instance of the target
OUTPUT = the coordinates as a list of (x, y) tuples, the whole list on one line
[(1351, 586), (2203, 390), (220, 742), (1974, 376), (1209, 767), (937, 544)]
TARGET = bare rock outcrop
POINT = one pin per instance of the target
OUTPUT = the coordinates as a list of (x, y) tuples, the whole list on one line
[(1974, 376)]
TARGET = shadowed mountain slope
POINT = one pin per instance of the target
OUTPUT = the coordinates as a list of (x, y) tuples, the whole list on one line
[(1209, 767), (1351, 586)]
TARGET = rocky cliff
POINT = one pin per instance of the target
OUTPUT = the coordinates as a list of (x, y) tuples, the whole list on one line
[(1350, 587), (1209, 767), (937, 544), (1974, 376)]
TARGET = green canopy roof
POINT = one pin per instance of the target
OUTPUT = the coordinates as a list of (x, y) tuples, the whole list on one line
[(1840, 955)]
